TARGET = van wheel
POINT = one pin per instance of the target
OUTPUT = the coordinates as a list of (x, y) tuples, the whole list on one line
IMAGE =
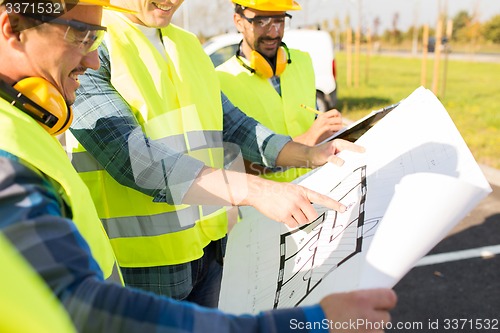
[(321, 102)]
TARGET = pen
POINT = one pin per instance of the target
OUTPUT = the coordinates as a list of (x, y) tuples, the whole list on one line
[(308, 108)]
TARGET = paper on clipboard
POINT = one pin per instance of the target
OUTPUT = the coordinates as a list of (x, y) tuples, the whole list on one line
[(355, 130)]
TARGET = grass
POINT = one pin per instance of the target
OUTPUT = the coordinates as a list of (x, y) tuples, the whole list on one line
[(471, 97)]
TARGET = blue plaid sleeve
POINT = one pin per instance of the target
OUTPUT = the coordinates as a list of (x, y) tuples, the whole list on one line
[(316, 319), (258, 143)]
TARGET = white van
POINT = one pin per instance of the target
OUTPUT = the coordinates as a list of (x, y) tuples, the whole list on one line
[(317, 43)]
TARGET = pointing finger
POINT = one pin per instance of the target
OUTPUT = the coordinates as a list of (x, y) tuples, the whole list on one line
[(325, 201)]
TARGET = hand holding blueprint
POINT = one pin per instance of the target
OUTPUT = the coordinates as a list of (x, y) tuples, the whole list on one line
[(355, 130), (415, 182)]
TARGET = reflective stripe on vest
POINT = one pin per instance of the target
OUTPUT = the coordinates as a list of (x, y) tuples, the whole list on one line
[(84, 162), (257, 97), (26, 303), (46, 154), (177, 109)]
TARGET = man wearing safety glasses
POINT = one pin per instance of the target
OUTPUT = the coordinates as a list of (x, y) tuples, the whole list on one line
[(265, 23), (47, 215), (88, 37), (270, 82), (47, 17)]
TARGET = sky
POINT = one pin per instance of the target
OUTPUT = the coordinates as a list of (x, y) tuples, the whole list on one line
[(215, 16)]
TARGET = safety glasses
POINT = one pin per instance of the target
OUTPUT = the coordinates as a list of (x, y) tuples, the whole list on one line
[(86, 36), (266, 22)]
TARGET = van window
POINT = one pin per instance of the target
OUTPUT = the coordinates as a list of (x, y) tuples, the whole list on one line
[(223, 54)]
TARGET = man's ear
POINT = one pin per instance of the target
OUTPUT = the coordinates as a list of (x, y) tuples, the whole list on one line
[(238, 22), (10, 26)]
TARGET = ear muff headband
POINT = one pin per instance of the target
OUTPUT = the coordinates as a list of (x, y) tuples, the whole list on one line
[(261, 66), (41, 100)]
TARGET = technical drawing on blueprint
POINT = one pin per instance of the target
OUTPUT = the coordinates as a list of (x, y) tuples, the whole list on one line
[(311, 252)]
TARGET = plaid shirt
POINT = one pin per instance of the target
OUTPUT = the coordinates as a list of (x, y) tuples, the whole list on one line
[(106, 126), (276, 82), (35, 220)]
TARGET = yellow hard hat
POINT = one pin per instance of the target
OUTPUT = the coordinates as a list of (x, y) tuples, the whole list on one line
[(269, 5), (103, 3)]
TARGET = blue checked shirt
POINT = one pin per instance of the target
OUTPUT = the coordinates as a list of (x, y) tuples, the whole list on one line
[(35, 219), (105, 125)]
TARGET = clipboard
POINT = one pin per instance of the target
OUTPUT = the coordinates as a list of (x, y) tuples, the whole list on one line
[(355, 130)]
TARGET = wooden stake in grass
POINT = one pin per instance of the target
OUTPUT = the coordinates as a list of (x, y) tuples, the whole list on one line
[(449, 30), (348, 49), (425, 45), (357, 47), (368, 54), (437, 57)]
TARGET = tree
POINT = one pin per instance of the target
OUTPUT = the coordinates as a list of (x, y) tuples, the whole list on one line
[(376, 26), (491, 30), (394, 35), (460, 21), (466, 27)]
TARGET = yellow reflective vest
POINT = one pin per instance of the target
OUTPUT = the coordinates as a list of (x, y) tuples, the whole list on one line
[(176, 108), (22, 136), (257, 97), (26, 303)]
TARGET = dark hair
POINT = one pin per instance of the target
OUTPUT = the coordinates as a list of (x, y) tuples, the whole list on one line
[(238, 9)]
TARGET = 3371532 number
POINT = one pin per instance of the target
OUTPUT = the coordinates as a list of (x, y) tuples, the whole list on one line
[(40, 8), (471, 324)]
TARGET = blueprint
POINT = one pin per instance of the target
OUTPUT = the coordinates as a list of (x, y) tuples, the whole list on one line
[(415, 181), (311, 252)]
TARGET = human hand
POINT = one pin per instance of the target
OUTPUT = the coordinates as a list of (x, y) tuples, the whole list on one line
[(327, 152), (322, 128), (285, 202), (367, 309)]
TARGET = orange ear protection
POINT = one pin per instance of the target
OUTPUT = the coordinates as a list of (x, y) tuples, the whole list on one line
[(41, 100), (261, 65)]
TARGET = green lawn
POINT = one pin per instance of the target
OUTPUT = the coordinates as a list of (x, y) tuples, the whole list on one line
[(472, 96)]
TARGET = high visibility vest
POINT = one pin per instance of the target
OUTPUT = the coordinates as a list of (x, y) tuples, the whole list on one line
[(178, 109), (257, 97), (22, 136), (26, 303)]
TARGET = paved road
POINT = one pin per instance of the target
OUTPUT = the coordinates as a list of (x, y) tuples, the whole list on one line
[(476, 57), (458, 295)]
